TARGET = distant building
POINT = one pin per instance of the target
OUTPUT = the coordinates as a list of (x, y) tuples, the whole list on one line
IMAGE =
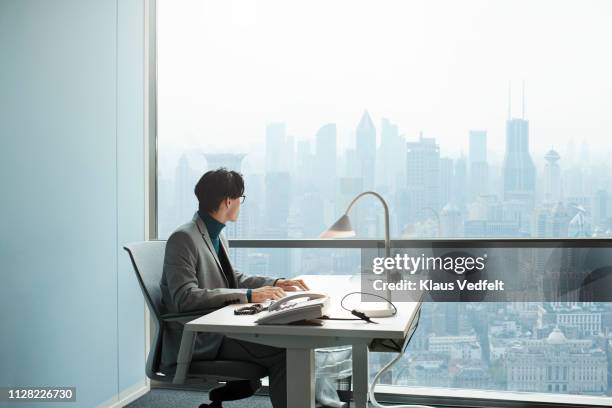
[(551, 221), (429, 370), (451, 222), (447, 180), (557, 364), (276, 146), (365, 145), (422, 177), (552, 177), (479, 168), (470, 374), (325, 171), (519, 173), (460, 183), (494, 229), (601, 204), (390, 163), (186, 203), (519, 170), (456, 347), (278, 200), (584, 319)]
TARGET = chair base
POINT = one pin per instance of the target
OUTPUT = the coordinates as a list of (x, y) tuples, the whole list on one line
[(231, 391)]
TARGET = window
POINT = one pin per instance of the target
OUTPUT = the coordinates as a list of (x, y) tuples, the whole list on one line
[(472, 118)]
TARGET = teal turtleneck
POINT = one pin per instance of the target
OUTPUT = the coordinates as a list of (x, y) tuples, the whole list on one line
[(214, 228)]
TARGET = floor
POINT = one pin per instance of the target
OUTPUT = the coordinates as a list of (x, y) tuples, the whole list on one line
[(158, 398)]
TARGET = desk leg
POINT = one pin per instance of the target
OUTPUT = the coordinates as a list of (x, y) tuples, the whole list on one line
[(300, 378), (183, 360), (360, 375)]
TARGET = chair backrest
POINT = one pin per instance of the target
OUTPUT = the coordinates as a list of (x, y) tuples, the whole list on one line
[(148, 261)]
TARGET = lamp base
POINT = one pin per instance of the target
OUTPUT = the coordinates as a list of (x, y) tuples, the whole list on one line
[(376, 309)]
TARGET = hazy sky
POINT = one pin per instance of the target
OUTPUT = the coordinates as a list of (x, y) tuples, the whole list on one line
[(226, 68)]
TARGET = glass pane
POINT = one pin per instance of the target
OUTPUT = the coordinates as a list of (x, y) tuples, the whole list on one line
[(471, 118), (289, 263), (508, 346)]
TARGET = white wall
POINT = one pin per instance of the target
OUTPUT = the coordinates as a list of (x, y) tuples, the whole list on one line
[(72, 193)]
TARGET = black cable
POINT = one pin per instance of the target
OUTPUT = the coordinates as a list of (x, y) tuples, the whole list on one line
[(369, 294)]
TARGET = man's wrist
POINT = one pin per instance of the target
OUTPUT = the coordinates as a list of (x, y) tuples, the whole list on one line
[(249, 295), (276, 280)]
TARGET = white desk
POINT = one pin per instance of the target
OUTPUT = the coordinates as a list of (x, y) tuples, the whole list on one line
[(300, 341)]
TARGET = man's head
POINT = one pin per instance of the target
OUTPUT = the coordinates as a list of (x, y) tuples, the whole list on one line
[(219, 194)]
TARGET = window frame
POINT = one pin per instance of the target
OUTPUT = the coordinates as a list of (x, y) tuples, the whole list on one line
[(460, 397)]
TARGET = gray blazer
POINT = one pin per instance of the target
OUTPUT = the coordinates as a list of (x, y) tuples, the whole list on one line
[(193, 280)]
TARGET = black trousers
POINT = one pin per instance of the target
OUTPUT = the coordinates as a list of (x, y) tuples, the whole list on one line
[(272, 358)]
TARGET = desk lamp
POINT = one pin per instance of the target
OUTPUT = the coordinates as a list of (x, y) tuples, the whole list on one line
[(343, 229)]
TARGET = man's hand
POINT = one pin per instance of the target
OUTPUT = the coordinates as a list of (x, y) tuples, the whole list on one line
[(264, 293), (291, 285)]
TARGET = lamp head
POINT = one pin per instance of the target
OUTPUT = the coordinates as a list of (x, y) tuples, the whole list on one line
[(341, 229)]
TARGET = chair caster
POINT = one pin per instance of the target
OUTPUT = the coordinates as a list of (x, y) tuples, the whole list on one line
[(214, 404)]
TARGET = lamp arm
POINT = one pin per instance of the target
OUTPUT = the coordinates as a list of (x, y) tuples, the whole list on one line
[(385, 207)]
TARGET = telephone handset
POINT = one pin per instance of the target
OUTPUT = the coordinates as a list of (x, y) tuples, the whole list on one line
[(288, 310)]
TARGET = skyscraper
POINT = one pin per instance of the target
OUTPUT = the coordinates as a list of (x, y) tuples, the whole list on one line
[(277, 206), (518, 169), (552, 177), (447, 181), (422, 177), (519, 174), (325, 154), (304, 165), (365, 145), (278, 201), (460, 183), (390, 157), (479, 168)]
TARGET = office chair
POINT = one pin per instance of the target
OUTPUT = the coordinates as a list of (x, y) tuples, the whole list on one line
[(242, 378)]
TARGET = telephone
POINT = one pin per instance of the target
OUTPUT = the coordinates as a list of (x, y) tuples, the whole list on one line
[(288, 310)]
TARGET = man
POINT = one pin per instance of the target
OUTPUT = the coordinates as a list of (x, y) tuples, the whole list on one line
[(198, 275)]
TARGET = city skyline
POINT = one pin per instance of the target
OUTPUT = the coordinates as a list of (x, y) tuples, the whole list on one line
[(572, 152), (520, 186), (474, 119)]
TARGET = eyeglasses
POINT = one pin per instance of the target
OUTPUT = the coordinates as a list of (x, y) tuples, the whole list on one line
[(242, 198)]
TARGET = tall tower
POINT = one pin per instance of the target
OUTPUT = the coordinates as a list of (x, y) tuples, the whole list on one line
[(423, 177), (552, 177), (365, 145), (390, 157), (518, 169), (479, 168)]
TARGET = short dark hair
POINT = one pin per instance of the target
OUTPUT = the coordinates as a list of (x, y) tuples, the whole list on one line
[(217, 185)]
